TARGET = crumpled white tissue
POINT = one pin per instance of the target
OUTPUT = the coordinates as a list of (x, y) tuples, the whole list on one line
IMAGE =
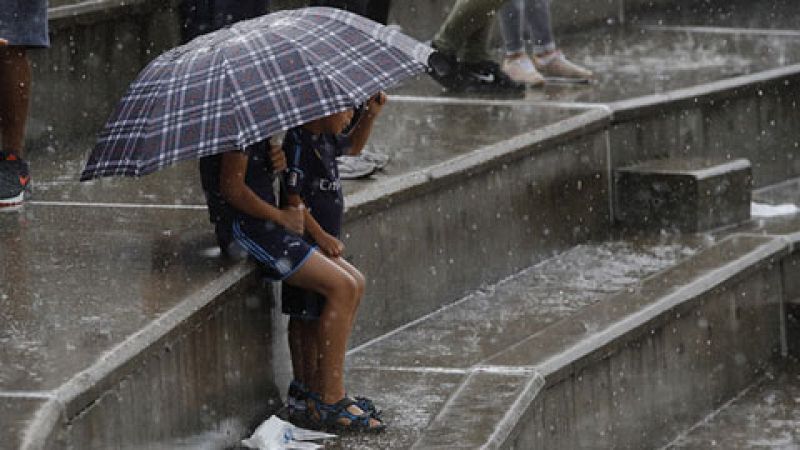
[(275, 434)]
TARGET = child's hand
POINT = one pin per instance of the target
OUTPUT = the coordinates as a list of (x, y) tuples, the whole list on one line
[(376, 102), (331, 246), (292, 218), (278, 158)]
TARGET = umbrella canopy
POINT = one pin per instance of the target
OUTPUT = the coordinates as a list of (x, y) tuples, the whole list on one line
[(239, 85)]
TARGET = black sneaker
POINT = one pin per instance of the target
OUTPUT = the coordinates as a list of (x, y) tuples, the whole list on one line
[(486, 76), (14, 179), (446, 70)]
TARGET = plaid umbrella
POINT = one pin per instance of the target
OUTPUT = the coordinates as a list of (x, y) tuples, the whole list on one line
[(237, 86)]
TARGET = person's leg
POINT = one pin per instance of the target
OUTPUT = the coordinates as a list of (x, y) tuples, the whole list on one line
[(466, 17), (340, 289), (537, 17), (321, 275), (547, 58), (310, 352), (15, 88), (511, 27), (516, 62), (361, 282), (296, 349)]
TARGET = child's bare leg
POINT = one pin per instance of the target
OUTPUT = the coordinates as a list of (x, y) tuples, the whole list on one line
[(310, 355), (296, 349), (303, 350), (361, 282), (321, 275), (15, 87)]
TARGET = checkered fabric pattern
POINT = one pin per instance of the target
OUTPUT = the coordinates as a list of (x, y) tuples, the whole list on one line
[(237, 86)]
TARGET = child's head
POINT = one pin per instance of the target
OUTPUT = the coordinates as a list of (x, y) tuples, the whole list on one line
[(332, 124)]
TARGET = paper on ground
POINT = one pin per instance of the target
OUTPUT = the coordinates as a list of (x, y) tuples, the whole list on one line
[(275, 434)]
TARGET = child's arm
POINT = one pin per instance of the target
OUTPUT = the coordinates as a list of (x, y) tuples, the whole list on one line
[(327, 243), (360, 133), (241, 197)]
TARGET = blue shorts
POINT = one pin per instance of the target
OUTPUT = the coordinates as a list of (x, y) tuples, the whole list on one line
[(24, 23), (278, 252)]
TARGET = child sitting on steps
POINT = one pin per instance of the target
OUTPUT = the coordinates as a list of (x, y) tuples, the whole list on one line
[(318, 327)]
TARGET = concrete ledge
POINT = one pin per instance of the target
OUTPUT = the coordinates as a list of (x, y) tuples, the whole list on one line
[(90, 11), (478, 161), (749, 116), (142, 373), (709, 94), (517, 178), (604, 376), (511, 391), (615, 386), (687, 194)]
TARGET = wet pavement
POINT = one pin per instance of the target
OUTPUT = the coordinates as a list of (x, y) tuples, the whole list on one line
[(77, 281), (734, 14), (413, 133), (636, 60), (445, 346), (501, 327), (765, 415), (87, 265)]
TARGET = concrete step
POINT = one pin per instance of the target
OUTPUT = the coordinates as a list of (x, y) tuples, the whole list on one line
[(683, 194), (419, 370), (568, 352), (765, 415)]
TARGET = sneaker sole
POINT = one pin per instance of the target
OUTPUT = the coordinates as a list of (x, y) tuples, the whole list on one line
[(12, 201), (566, 80)]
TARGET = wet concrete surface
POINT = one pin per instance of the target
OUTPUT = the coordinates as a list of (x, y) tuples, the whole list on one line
[(78, 279), (16, 413), (414, 134), (452, 341), (736, 14), (687, 194), (634, 60), (765, 415), (486, 323)]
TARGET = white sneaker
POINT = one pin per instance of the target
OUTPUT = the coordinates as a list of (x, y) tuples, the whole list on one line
[(557, 66), (353, 167), (522, 70), (379, 159)]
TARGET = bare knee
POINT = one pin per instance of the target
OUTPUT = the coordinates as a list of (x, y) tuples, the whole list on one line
[(345, 292), (361, 284)]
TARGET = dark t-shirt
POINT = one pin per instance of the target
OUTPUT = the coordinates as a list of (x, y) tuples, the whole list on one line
[(314, 175), (259, 178)]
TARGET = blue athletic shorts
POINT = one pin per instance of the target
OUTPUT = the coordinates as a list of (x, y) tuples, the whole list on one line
[(24, 23), (278, 252)]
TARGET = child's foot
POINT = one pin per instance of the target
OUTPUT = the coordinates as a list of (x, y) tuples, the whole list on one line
[(520, 68), (296, 403), (556, 65), (344, 415)]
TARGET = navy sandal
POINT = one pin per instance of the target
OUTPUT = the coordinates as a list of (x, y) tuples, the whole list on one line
[(368, 406), (331, 414)]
